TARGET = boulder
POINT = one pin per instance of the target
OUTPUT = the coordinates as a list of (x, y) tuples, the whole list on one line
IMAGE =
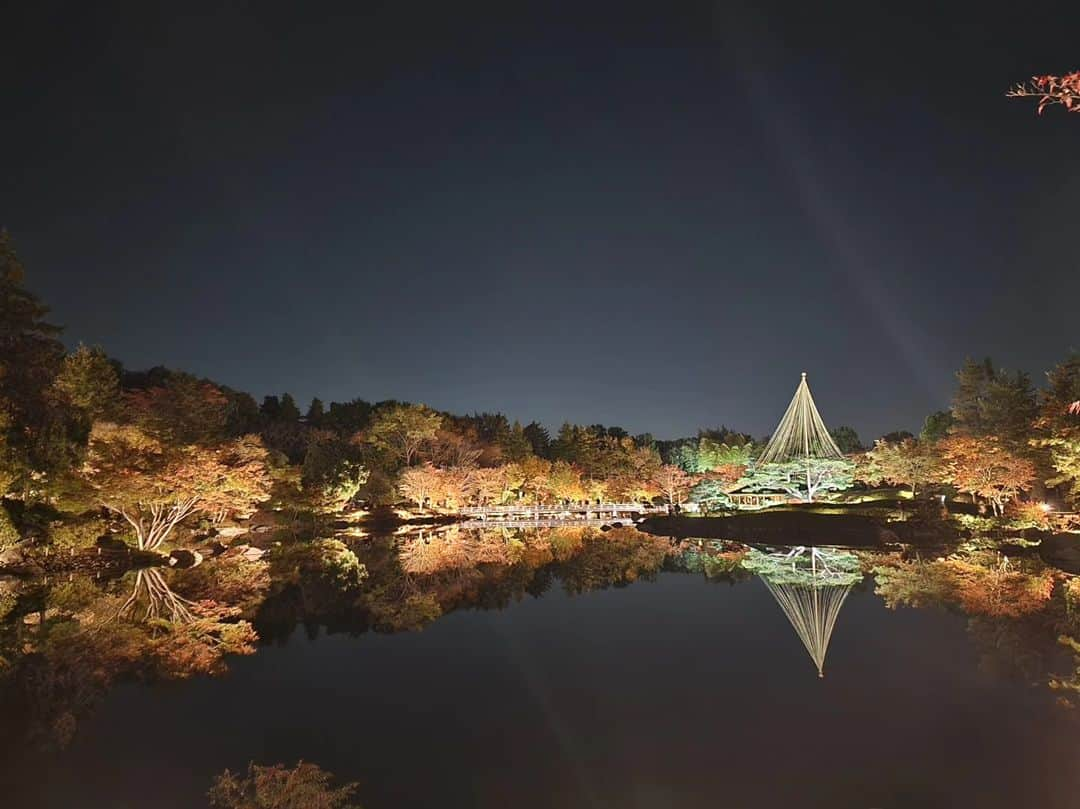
[(184, 558), (13, 557), (1061, 551)]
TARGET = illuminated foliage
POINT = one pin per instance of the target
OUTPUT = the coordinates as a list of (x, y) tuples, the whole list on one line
[(155, 486), (910, 463), (1051, 91), (402, 431), (803, 479), (673, 483), (305, 786), (984, 467)]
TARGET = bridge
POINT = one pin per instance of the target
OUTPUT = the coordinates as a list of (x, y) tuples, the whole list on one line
[(556, 513)]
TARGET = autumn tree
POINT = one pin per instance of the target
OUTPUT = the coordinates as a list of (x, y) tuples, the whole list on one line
[(155, 485), (565, 483), (402, 431), (1051, 91), (672, 482), (983, 466), (305, 786), (420, 484), (908, 463)]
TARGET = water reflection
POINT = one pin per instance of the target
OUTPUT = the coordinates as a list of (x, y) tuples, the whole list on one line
[(810, 585)]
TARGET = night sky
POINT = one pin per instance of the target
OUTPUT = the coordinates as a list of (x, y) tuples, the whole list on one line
[(653, 215)]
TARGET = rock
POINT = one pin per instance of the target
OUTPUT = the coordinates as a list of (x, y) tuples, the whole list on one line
[(1061, 551), (111, 543), (14, 557), (215, 548), (184, 558), (253, 554), (232, 531)]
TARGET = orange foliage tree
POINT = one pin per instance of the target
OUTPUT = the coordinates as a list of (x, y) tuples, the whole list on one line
[(983, 467), (672, 482), (155, 486), (1051, 90)]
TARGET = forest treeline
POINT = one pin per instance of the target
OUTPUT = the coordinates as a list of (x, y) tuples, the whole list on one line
[(79, 432)]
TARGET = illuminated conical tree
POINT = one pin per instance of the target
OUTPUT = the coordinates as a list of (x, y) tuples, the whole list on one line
[(801, 433)]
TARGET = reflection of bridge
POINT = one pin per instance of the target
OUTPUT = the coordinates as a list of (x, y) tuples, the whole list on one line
[(543, 522), (561, 511)]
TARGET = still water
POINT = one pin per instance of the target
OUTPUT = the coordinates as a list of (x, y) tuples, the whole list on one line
[(670, 690)]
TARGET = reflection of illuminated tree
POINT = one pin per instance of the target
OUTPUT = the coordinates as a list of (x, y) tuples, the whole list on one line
[(161, 602), (810, 585)]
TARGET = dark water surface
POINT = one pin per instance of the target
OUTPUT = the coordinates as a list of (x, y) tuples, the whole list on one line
[(677, 692)]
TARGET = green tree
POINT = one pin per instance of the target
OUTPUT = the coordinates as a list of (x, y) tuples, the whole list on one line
[(905, 463), (1057, 429), (88, 381), (936, 426), (846, 439), (403, 430), (539, 438), (41, 434), (289, 411), (315, 412), (993, 402), (333, 472)]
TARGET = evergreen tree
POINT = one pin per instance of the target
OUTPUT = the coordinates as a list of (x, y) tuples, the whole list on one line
[(271, 407), (315, 412), (289, 411)]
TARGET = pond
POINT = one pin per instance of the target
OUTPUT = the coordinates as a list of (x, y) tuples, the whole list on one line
[(624, 671)]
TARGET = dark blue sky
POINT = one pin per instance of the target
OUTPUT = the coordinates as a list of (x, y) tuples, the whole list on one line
[(652, 215)]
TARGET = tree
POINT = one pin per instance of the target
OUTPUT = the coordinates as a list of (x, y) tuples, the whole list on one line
[(907, 463), (672, 482), (332, 472), (936, 426), (315, 412), (564, 482), (538, 438), (305, 786), (402, 431), (154, 486), (1051, 90), (289, 411), (40, 435), (990, 401), (983, 466), (420, 484), (271, 407), (1057, 429), (711, 496), (182, 410), (804, 479), (88, 381), (847, 440)]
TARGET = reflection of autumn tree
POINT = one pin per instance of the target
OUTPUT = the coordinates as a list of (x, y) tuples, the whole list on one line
[(979, 584), (305, 786), (94, 636), (619, 556)]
